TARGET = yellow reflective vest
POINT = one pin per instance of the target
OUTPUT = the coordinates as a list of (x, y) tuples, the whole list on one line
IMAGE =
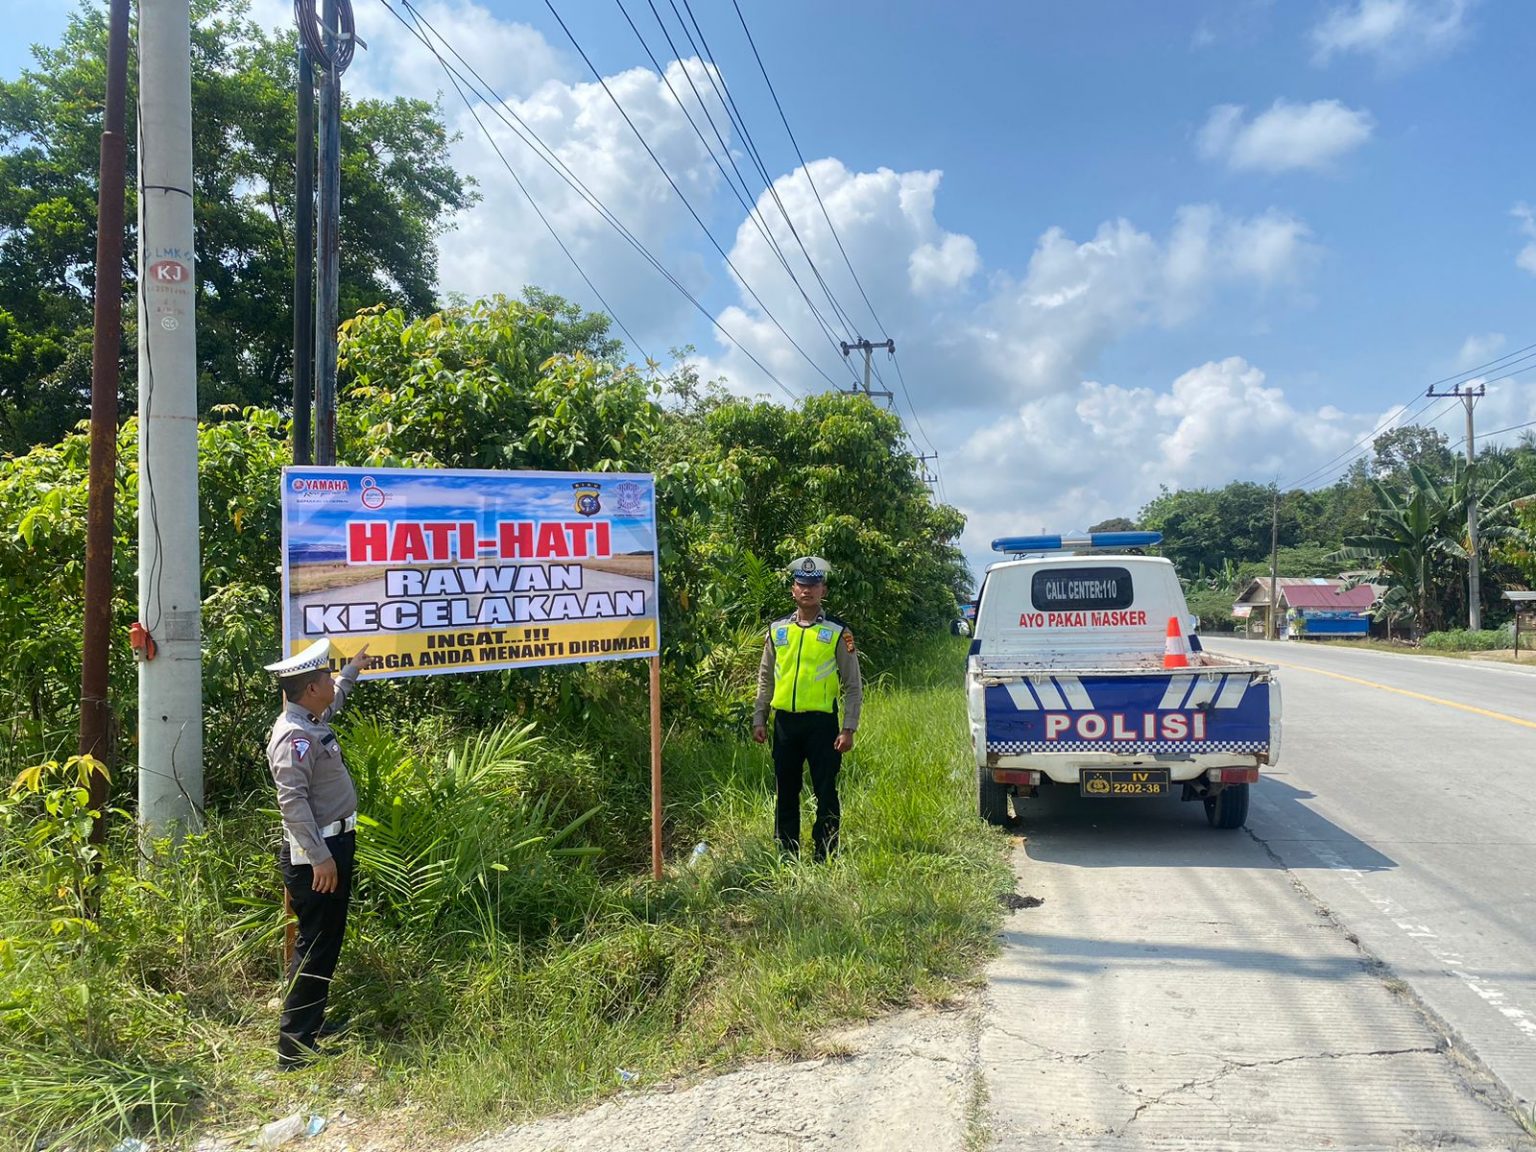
[(805, 665)]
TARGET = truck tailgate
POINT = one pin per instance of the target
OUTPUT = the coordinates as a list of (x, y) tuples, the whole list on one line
[(1176, 712)]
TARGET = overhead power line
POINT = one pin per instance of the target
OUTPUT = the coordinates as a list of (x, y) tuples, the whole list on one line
[(743, 195), (662, 168), (1403, 416), (700, 45), (534, 204), (832, 228), (717, 83), (804, 167), (509, 117), (1498, 431)]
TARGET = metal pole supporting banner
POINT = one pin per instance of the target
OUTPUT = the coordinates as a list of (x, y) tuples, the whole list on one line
[(170, 610), (106, 349), (656, 767)]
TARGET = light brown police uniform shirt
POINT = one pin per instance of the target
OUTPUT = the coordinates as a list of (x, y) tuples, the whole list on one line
[(313, 786)]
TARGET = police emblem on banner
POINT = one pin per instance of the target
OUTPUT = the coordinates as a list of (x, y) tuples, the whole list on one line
[(587, 502), (631, 497)]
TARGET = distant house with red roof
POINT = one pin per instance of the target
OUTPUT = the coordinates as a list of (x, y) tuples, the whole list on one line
[(1309, 606)]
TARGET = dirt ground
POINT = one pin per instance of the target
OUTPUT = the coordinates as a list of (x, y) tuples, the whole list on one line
[(905, 1083)]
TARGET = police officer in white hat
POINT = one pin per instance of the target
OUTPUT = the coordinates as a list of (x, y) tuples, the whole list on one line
[(808, 661), (319, 810)]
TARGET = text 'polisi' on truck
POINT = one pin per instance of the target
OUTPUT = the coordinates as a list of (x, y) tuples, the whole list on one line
[(1079, 675)]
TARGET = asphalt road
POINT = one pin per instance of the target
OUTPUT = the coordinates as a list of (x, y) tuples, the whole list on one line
[(1405, 800), (1357, 969)]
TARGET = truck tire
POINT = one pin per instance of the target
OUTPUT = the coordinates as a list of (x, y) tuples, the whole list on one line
[(1228, 808), (993, 799)]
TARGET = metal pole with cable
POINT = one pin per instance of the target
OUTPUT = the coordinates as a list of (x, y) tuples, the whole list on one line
[(328, 256), (106, 349), (329, 43), (304, 262)]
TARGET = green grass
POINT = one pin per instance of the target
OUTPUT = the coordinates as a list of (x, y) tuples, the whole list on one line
[(511, 1000)]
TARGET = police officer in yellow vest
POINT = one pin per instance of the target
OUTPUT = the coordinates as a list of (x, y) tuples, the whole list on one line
[(808, 657)]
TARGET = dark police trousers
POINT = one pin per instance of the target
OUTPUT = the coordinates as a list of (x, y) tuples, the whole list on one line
[(800, 738), (322, 924)]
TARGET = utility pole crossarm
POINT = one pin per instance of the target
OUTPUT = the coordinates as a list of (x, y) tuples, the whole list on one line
[(867, 347)]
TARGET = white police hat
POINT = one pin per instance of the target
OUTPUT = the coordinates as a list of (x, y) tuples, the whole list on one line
[(317, 655), (809, 570)]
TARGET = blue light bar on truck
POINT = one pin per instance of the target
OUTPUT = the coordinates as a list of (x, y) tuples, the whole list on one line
[(1086, 540)]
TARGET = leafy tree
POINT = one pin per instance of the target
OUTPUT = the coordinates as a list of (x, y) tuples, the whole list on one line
[(498, 384), (1114, 524), (576, 331), (834, 477), (397, 193), (1203, 527), (1395, 452)]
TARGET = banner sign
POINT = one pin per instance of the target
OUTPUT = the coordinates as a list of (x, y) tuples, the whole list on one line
[(448, 570)]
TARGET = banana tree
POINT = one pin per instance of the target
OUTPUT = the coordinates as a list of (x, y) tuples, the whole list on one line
[(1415, 538)]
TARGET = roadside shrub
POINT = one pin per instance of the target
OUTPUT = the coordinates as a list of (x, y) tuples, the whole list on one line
[(1462, 640)]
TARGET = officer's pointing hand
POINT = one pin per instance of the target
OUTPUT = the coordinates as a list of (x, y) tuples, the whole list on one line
[(362, 661), (759, 733)]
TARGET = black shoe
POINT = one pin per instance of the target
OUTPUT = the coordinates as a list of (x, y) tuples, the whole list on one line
[(333, 1028), (305, 1055)]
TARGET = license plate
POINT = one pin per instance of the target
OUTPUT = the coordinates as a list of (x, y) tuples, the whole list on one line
[(1101, 782)]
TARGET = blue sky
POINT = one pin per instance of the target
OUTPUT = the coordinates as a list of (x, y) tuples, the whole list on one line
[(1119, 245)]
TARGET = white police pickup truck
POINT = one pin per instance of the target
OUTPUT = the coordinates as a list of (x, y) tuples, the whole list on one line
[(1074, 680)]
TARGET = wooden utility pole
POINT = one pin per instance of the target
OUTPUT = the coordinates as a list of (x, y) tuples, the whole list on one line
[(656, 767), (106, 350)]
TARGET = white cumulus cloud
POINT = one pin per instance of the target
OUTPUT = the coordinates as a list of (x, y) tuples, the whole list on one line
[(1396, 33), (1285, 136), (1526, 258), (1479, 348)]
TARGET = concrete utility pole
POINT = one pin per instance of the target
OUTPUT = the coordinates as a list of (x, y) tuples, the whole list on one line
[(328, 282), (1469, 397), (95, 710), (867, 347), (170, 679)]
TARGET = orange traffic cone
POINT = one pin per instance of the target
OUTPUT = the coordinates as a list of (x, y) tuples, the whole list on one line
[(1174, 655)]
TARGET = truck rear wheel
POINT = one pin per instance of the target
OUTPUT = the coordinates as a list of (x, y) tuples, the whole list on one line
[(993, 798), (1228, 808)]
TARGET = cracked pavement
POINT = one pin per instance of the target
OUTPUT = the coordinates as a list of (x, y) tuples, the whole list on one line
[(1178, 989)]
